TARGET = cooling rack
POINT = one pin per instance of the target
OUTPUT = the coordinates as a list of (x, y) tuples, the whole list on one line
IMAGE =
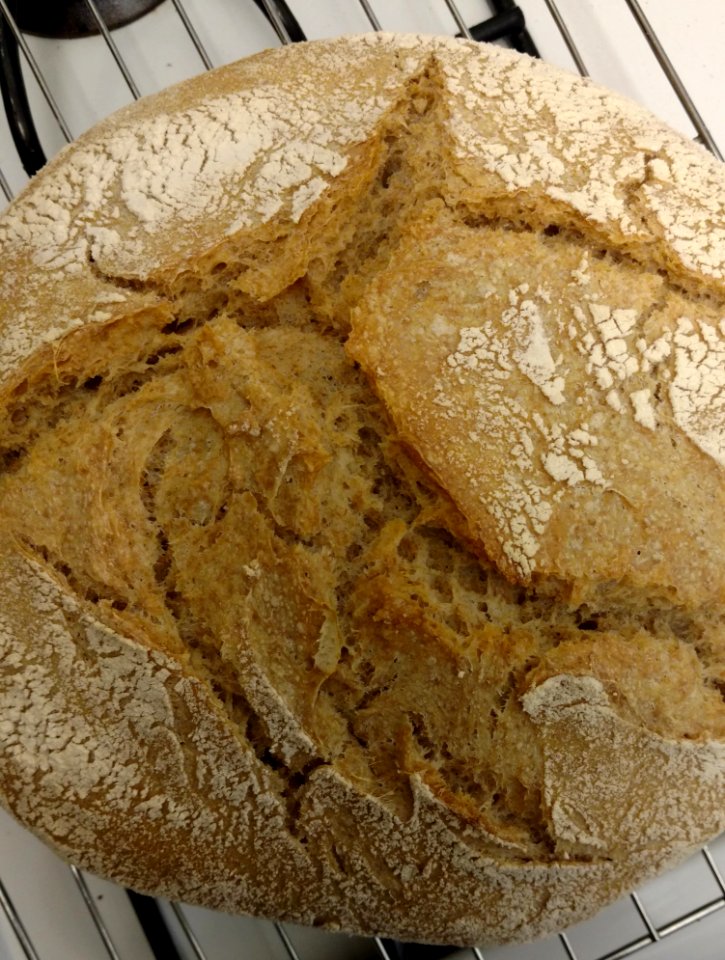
[(666, 54)]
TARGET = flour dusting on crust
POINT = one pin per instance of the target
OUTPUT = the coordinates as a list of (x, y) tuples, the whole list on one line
[(340, 385)]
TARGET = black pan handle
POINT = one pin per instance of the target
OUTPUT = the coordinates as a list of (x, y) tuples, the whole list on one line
[(15, 100), (521, 39)]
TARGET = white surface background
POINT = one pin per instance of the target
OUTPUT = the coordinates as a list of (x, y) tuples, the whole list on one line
[(87, 86)]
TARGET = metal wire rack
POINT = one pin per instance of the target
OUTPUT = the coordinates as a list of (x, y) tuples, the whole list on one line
[(679, 915)]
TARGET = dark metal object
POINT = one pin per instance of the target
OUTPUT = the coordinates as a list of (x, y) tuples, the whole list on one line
[(287, 19), (15, 101), (73, 18), (519, 40), (499, 26), (154, 926), (507, 23)]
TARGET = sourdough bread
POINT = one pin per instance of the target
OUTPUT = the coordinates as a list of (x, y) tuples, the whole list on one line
[(362, 502)]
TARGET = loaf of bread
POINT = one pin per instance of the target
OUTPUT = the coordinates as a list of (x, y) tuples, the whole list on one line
[(362, 497)]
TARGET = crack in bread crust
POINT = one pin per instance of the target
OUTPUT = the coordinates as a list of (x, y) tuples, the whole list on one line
[(291, 547)]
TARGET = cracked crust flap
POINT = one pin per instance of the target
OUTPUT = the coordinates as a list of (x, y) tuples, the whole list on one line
[(165, 180), (515, 363)]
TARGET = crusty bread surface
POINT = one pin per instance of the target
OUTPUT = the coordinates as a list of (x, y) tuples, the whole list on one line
[(362, 504)]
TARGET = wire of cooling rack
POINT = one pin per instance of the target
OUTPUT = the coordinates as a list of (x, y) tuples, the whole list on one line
[(15, 101), (37, 72), (95, 914), (193, 35), (563, 29), (188, 932), (16, 924), (674, 78), (115, 52), (275, 18), (509, 20), (5, 187), (460, 22), (13, 90), (369, 13)]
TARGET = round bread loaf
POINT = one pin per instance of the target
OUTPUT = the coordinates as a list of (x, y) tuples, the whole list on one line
[(362, 503)]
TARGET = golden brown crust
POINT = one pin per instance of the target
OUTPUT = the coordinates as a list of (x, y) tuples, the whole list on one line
[(516, 364), (449, 651)]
